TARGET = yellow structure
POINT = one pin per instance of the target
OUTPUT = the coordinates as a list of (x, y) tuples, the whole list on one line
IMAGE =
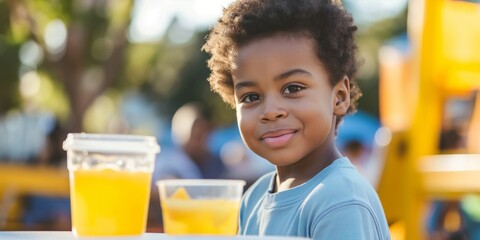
[(444, 63), (17, 181)]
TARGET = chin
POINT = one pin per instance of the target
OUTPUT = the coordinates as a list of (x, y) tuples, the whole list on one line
[(280, 160), (279, 157)]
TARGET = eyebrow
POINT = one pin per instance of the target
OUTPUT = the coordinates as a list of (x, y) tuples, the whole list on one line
[(280, 77), (241, 85), (290, 73)]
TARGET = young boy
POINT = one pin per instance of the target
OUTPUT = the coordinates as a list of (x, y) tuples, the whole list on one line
[(288, 68)]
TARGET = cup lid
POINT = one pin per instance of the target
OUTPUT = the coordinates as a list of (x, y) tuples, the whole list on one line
[(201, 182), (111, 143)]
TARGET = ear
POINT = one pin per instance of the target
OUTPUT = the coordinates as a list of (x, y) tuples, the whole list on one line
[(341, 93)]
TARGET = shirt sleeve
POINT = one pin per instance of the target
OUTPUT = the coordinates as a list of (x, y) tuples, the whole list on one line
[(353, 221)]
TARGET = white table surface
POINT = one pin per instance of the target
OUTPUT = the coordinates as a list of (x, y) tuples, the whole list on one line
[(57, 235)]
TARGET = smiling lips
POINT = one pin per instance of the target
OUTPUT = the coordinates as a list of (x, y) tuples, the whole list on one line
[(276, 139)]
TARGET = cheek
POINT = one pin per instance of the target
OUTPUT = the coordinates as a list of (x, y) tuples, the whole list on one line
[(246, 126), (317, 119), (319, 127)]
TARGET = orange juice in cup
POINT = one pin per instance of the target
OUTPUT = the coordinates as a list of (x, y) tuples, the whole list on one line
[(108, 201), (110, 183), (208, 207)]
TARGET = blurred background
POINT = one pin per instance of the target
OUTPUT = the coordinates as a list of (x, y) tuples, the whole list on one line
[(136, 67)]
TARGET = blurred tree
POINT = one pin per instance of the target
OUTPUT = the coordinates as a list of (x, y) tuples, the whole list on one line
[(370, 38), (9, 63), (178, 73), (84, 43), (192, 84)]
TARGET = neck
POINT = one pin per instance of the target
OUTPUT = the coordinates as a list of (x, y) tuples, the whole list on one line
[(302, 171), (310, 165)]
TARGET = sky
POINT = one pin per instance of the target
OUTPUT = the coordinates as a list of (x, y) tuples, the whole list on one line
[(152, 17)]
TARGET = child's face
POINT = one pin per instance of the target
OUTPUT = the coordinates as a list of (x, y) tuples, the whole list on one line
[(284, 101)]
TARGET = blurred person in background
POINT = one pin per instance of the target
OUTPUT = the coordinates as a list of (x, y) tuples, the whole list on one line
[(243, 163), (356, 140), (52, 153), (240, 162), (46, 212), (189, 157), (447, 220), (23, 135)]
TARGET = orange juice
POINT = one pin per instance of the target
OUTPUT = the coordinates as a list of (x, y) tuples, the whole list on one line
[(108, 202), (200, 216)]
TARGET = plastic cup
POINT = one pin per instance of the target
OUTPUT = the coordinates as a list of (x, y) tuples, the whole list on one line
[(200, 207), (110, 179)]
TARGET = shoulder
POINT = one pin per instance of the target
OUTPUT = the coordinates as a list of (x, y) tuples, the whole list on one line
[(343, 184), (350, 221), (344, 198), (260, 187), (352, 210), (173, 162), (337, 189), (256, 192)]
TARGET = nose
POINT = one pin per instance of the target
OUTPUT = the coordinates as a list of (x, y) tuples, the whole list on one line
[(272, 111)]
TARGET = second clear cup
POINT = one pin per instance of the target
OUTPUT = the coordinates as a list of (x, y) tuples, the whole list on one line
[(200, 207)]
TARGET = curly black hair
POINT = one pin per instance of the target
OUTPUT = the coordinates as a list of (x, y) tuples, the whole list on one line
[(325, 21)]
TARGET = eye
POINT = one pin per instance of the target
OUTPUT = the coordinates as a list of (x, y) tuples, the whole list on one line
[(249, 98), (292, 88)]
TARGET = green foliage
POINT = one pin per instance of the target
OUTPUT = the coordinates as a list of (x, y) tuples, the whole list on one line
[(9, 65), (370, 38), (4, 19), (175, 75)]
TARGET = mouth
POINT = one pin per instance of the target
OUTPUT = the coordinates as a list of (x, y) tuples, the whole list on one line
[(278, 138)]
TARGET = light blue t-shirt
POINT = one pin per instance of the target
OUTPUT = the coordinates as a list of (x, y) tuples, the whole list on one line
[(337, 203)]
